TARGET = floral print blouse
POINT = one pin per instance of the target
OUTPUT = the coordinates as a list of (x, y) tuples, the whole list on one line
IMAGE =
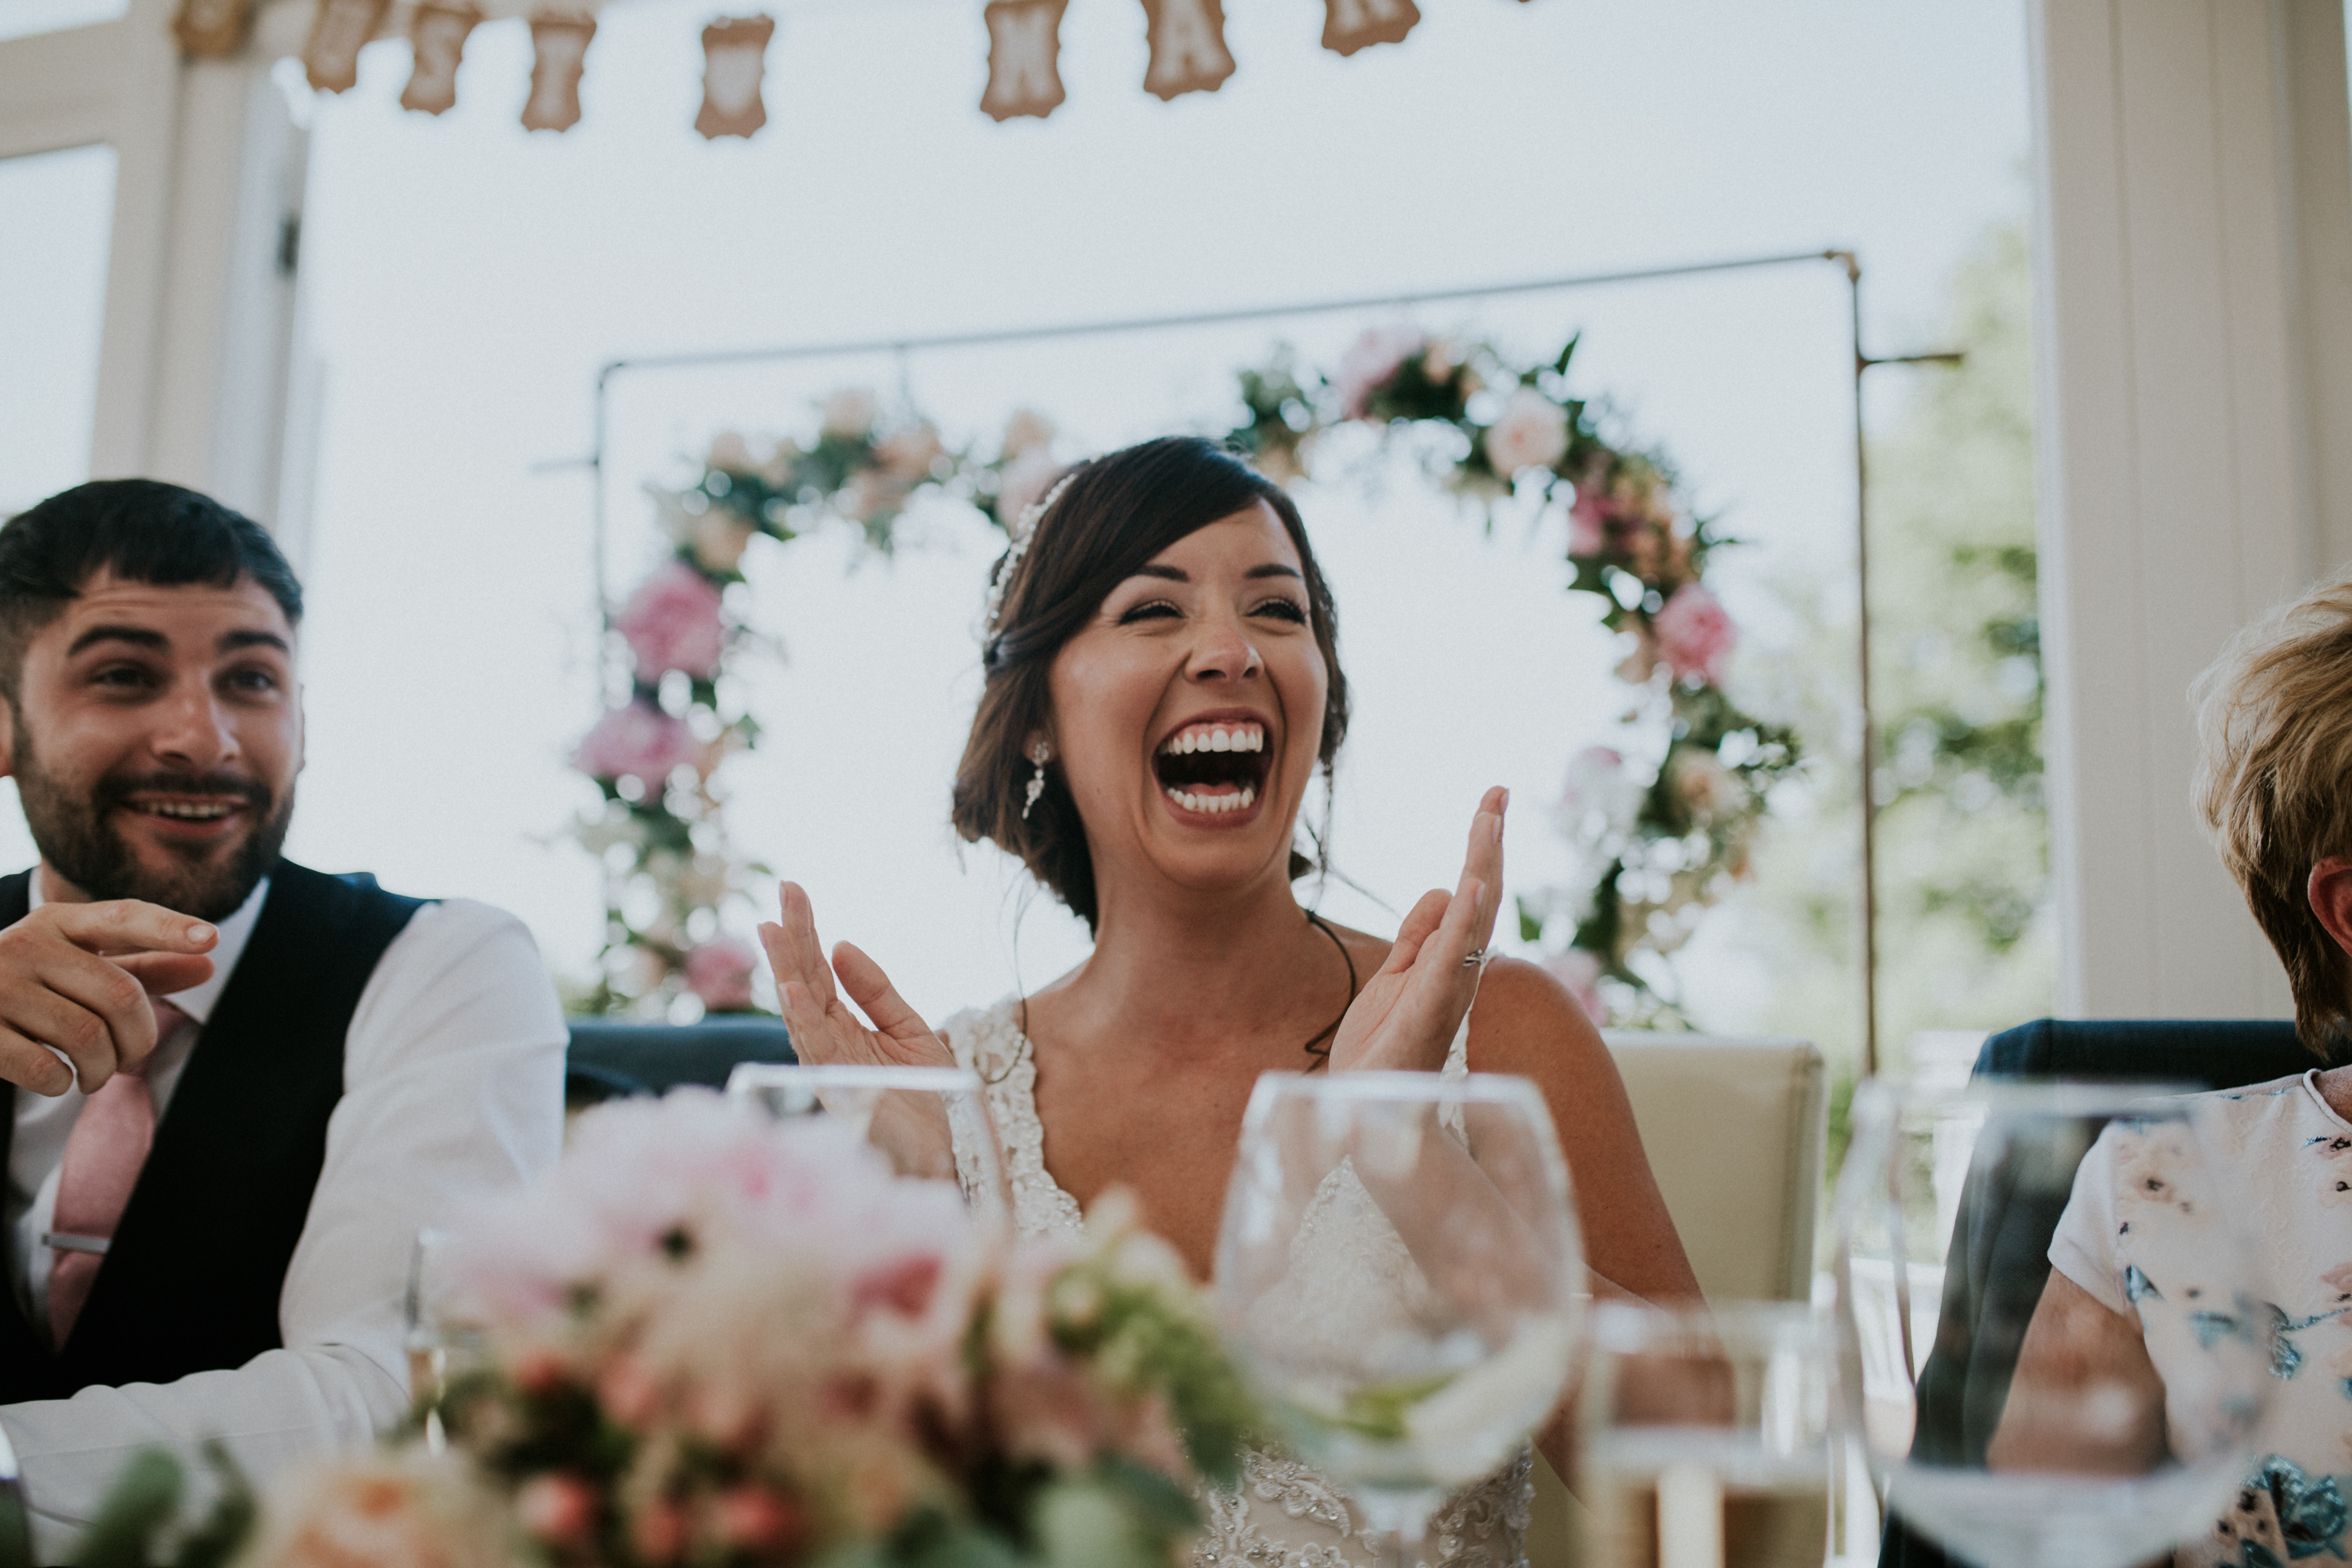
[(2286, 1165)]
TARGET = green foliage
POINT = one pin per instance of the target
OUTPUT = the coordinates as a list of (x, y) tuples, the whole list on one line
[(138, 1523), (1963, 873)]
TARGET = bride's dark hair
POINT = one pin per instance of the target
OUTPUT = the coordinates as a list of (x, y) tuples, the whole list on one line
[(1115, 513)]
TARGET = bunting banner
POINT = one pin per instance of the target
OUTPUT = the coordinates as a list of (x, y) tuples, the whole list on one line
[(1183, 42)]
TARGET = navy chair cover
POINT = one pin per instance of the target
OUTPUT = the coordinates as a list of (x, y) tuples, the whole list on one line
[(611, 1058), (1999, 1259)]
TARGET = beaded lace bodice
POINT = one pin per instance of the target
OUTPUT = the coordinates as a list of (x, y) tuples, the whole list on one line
[(1285, 1514)]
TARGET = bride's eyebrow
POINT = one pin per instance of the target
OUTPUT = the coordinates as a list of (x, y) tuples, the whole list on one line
[(1273, 569)]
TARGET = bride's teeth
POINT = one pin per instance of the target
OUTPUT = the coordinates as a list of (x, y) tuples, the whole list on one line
[(1219, 742), (1249, 795)]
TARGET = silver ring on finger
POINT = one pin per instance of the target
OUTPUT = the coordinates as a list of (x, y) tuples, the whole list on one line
[(1475, 959)]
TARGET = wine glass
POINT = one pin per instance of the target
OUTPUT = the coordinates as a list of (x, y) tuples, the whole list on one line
[(932, 1122), (1400, 1272), (439, 1338), (1706, 1435), (1943, 1215)]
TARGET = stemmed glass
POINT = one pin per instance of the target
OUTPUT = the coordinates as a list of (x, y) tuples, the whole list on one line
[(1400, 1272), (933, 1122), (1706, 1435), (1943, 1215)]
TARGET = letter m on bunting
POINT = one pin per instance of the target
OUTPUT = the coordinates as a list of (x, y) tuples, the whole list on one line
[(1024, 45)]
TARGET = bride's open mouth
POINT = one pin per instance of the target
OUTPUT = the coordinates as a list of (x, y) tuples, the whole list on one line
[(1214, 767)]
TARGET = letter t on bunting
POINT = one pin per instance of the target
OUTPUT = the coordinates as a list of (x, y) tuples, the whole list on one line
[(559, 54), (734, 56), (1188, 48), (1024, 43), (1352, 24)]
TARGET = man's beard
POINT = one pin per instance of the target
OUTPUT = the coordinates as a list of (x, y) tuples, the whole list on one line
[(76, 835)]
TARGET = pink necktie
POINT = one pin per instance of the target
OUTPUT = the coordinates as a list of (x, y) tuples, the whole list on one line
[(108, 1145)]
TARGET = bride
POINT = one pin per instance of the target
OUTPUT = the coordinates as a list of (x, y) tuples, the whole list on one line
[(1162, 685)]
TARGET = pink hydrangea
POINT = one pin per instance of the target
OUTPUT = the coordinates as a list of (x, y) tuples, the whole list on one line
[(636, 740), (672, 622), (1370, 360), (720, 973), (1694, 634)]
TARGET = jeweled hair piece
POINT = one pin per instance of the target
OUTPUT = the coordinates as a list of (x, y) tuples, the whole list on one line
[(1024, 530)]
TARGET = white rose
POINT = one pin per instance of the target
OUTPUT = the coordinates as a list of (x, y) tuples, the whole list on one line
[(1531, 433)]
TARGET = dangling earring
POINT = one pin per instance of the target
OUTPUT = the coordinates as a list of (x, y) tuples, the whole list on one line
[(1039, 754)]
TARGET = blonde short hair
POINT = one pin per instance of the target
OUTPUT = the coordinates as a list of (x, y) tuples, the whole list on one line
[(2275, 786)]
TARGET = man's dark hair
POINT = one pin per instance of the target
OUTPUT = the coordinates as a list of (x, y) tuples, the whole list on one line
[(143, 531)]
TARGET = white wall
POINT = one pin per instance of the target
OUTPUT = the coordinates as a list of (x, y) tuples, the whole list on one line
[(2195, 228)]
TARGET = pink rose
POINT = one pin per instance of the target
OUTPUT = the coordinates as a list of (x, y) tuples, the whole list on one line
[(1588, 520), (1369, 360), (720, 972), (1531, 433), (1694, 634), (558, 1508), (1580, 973), (672, 623), (636, 740)]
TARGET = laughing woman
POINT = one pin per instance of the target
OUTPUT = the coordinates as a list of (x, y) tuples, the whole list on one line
[(1163, 685)]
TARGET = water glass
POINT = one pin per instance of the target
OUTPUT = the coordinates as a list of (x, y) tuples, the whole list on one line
[(1943, 1216), (1400, 1273), (933, 1122), (1707, 1435)]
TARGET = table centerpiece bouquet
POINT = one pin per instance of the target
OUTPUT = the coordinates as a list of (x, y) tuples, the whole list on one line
[(709, 1339)]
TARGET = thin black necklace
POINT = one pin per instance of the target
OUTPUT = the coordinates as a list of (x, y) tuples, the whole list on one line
[(1322, 1056)]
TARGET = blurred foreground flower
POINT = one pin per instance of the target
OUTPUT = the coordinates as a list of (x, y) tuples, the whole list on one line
[(712, 1338)]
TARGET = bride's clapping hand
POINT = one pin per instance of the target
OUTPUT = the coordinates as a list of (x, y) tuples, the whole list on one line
[(823, 1027), (1406, 1015)]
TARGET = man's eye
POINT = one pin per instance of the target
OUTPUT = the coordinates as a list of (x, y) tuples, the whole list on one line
[(1282, 609), (1150, 610), (252, 680), (127, 676)]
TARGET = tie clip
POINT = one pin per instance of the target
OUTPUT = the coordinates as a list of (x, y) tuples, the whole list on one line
[(59, 1241)]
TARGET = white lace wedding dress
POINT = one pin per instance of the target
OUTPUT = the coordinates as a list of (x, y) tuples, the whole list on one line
[(1285, 1514)]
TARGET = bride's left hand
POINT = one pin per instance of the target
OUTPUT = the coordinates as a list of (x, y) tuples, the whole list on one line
[(1406, 1015)]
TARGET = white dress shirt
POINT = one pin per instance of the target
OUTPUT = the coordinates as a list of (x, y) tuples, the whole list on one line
[(453, 1086)]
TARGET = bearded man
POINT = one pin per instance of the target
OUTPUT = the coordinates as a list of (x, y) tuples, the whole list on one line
[(234, 1090)]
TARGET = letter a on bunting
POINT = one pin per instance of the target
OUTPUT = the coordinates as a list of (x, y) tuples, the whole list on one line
[(1188, 48), (1352, 24), (1024, 43)]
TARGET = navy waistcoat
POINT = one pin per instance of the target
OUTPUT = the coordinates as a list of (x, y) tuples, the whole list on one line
[(192, 1281)]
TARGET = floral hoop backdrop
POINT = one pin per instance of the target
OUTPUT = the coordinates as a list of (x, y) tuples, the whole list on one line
[(1664, 818)]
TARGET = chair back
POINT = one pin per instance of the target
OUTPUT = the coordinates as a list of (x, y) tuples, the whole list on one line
[(611, 1057), (1734, 1129)]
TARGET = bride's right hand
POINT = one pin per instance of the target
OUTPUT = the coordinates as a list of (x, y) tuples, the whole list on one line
[(822, 1026)]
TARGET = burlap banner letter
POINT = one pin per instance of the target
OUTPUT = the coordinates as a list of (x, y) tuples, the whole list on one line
[(1188, 48), (734, 60), (1352, 24), (331, 59), (437, 35), (1024, 46), (559, 54)]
